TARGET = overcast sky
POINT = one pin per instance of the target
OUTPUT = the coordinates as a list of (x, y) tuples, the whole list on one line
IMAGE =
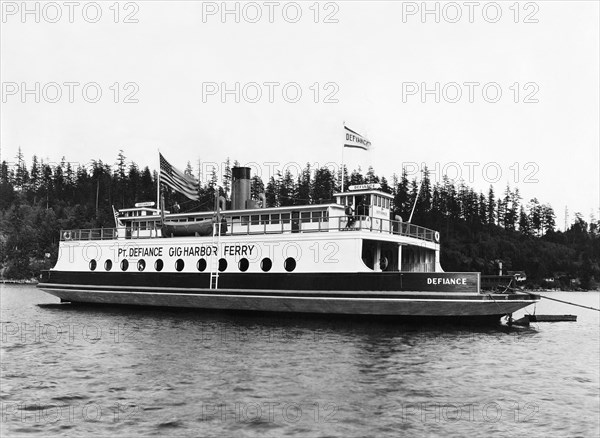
[(378, 66)]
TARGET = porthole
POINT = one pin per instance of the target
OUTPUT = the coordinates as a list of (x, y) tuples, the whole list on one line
[(93, 265), (141, 265), (124, 265), (158, 265), (289, 264), (266, 264), (222, 265), (108, 265), (201, 265), (179, 264), (243, 265)]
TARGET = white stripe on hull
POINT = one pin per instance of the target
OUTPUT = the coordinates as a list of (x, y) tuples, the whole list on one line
[(326, 305)]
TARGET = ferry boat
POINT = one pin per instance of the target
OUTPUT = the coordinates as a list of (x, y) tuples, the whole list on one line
[(318, 258)]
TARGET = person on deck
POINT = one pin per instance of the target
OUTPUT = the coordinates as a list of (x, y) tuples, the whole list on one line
[(350, 214)]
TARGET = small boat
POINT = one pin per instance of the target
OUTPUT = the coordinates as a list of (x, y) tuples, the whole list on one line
[(552, 318), (319, 259), (176, 229)]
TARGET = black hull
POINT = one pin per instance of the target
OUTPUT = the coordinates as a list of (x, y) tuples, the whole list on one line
[(382, 294), (376, 281)]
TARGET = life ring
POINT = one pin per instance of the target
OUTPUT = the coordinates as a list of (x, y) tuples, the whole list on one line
[(437, 236), (67, 235), (383, 263)]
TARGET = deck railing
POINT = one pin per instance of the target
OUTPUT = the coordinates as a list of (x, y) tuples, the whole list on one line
[(266, 226)]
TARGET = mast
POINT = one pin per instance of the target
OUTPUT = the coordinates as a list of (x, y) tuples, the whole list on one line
[(416, 199)]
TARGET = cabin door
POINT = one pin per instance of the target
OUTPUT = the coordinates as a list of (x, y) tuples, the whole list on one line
[(295, 221), (128, 226)]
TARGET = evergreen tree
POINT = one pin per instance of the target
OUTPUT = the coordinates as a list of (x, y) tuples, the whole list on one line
[(189, 170), (271, 193), (323, 186), (34, 180), (482, 209), (134, 193), (385, 187), (547, 218), (424, 204), (304, 183), (535, 216), (371, 178), (147, 185), (491, 207), (401, 199), (500, 209), (6, 187), (227, 177), (21, 174), (524, 225), (286, 189), (256, 187)]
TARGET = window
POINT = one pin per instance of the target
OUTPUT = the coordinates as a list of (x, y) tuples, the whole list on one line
[(124, 265), (243, 265), (179, 265), (285, 218), (264, 219), (141, 265), (93, 265), (266, 264), (222, 265), (108, 265), (254, 219), (316, 215), (201, 265), (305, 216), (275, 219), (158, 265), (289, 264)]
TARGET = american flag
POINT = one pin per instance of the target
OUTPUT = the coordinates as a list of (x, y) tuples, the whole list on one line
[(177, 180)]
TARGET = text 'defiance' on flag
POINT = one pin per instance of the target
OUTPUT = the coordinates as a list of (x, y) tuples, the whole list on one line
[(177, 180), (354, 140)]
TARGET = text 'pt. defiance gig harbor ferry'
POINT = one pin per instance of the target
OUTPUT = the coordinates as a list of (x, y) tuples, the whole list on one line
[(308, 259)]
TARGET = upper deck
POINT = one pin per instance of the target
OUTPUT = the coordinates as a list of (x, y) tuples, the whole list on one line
[(263, 223), (371, 212)]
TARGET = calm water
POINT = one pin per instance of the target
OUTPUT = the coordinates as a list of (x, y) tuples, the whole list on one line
[(81, 371)]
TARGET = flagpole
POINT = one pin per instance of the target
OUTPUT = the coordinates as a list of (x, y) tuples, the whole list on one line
[(342, 172), (158, 183)]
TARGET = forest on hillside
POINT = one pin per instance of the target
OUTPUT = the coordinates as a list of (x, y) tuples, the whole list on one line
[(478, 229)]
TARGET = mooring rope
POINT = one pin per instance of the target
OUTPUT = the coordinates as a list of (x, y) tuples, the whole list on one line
[(572, 304), (561, 301)]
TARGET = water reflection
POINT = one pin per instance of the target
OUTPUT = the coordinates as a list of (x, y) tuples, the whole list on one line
[(190, 373)]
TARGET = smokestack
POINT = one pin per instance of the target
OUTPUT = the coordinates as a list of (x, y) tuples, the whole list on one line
[(240, 191)]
